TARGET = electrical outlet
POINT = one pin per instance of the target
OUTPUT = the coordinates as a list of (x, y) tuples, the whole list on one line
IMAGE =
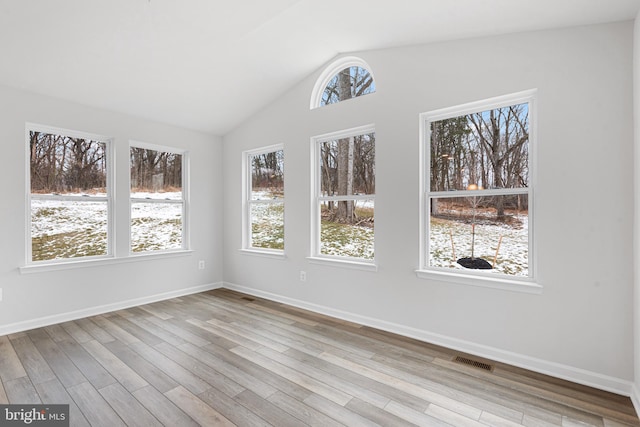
[(303, 276), (201, 264), (0, 294)]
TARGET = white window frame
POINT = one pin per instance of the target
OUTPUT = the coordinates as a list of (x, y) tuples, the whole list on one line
[(248, 202), (330, 72), (109, 198), (184, 201), (317, 198), (477, 277)]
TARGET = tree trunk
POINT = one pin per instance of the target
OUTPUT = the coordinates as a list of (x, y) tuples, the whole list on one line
[(345, 157), (345, 179)]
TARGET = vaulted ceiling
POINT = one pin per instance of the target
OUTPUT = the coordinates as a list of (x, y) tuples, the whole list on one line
[(208, 65)]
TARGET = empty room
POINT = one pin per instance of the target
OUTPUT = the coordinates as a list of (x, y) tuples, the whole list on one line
[(290, 213)]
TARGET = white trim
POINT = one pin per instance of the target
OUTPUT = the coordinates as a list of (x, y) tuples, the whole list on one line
[(29, 126), (482, 279), (345, 198), (635, 397), (273, 253), (151, 200), (110, 199), (481, 105), (558, 370), (475, 277), (94, 311), (317, 197), (330, 71), (71, 263), (479, 193), (69, 198), (345, 133), (343, 262), (154, 147)]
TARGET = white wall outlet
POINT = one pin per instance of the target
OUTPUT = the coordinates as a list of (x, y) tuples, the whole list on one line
[(0, 294), (201, 264), (303, 276)]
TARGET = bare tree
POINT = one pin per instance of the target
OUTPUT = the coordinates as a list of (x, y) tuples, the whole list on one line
[(502, 136), (60, 163)]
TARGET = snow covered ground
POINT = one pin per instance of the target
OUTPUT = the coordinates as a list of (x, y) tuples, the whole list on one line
[(512, 255), (62, 228), (267, 225)]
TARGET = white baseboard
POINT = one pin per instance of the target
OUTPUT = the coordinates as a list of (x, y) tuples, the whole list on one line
[(635, 397), (569, 373), (93, 311)]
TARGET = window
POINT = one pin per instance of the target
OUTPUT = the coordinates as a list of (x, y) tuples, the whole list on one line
[(158, 199), (264, 199), (347, 78), (344, 195), (69, 195), (478, 188)]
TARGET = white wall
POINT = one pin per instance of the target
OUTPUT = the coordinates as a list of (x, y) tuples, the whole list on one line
[(45, 297), (580, 327)]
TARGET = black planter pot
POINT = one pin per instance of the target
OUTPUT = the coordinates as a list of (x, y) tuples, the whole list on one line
[(475, 263)]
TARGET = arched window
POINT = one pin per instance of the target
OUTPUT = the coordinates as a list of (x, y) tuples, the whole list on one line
[(348, 77)]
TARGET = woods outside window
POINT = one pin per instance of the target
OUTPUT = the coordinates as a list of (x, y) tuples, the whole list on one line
[(69, 195), (344, 195), (478, 188)]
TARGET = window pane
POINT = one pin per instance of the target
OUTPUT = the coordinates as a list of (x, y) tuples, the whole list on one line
[(348, 166), (487, 149), (267, 175), (156, 226), (267, 225), (481, 232), (62, 164), (348, 239), (156, 174), (348, 83), (68, 229), (67, 166)]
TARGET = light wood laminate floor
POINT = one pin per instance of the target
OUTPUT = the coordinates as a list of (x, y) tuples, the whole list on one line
[(221, 358)]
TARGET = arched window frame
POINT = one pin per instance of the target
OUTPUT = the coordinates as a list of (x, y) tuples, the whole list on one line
[(330, 72)]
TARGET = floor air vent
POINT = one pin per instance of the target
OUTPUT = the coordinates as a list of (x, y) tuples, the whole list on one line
[(473, 363)]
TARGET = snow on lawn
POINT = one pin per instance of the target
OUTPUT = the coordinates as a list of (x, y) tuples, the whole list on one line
[(64, 229), (156, 226), (267, 225), (512, 256), (67, 229)]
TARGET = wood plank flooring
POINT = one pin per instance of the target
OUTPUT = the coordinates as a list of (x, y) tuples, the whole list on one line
[(221, 358)]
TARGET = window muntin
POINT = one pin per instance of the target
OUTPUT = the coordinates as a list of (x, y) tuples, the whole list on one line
[(264, 199), (345, 195), (479, 188), (69, 195), (157, 198)]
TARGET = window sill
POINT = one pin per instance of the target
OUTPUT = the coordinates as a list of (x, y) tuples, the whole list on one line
[(264, 253), (42, 267), (344, 263), (503, 283)]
